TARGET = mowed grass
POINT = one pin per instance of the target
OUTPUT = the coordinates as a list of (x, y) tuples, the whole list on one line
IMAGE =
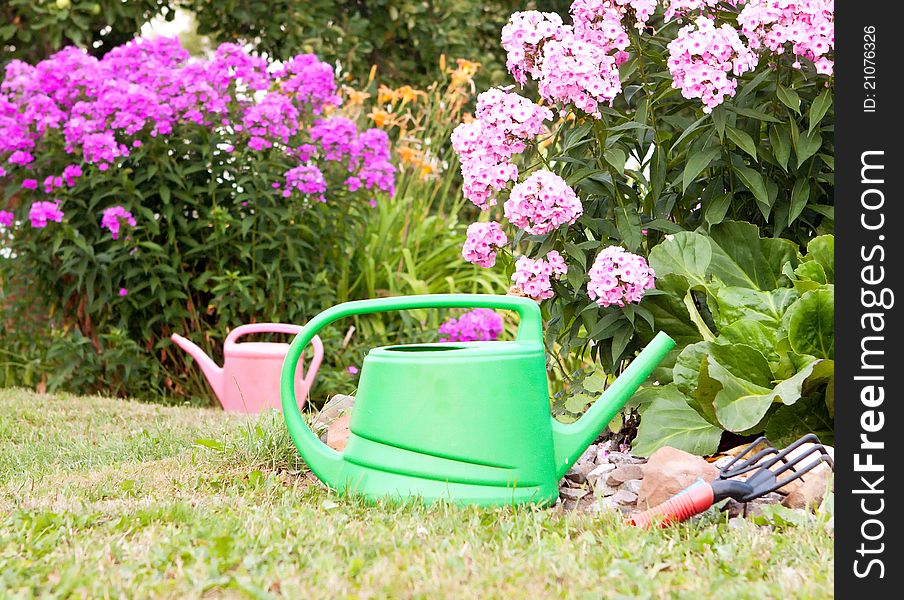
[(108, 498)]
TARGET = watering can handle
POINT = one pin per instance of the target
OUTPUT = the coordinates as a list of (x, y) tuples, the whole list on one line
[(323, 460), (316, 359)]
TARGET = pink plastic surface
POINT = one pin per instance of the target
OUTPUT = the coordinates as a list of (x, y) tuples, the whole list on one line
[(249, 380)]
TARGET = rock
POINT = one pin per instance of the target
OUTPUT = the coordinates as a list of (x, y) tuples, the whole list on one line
[(335, 406), (589, 455), (601, 489), (669, 471), (620, 458), (337, 433), (602, 505), (623, 473), (624, 497), (602, 454), (572, 493), (580, 471), (599, 471), (632, 485), (810, 494)]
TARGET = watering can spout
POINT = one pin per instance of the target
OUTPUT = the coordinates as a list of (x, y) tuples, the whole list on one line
[(211, 370), (571, 440)]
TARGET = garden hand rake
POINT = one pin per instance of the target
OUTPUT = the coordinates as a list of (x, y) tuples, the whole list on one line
[(747, 476)]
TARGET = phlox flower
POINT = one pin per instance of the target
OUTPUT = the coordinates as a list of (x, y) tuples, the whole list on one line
[(618, 277), (701, 59), (807, 26), (7, 218), (483, 240), (477, 325), (532, 276), (42, 212), (113, 217), (542, 202)]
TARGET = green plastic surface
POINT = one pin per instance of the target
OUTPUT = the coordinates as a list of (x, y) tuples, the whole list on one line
[(465, 422)]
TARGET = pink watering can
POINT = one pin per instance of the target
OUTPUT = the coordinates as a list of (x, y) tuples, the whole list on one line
[(248, 381)]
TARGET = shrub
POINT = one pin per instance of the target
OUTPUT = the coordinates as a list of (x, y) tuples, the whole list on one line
[(32, 31), (403, 38), (657, 118), (153, 193)]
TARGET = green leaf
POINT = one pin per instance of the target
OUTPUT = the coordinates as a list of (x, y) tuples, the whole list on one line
[(789, 98), (164, 194), (810, 323), (806, 146), (670, 421), (715, 210), (754, 182), (808, 415), (733, 303), (781, 145), (799, 197), (686, 372), (821, 249), (818, 109), (746, 380), (740, 257), (687, 254), (616, 158), (742, 140), (696, 163), (755, 333), (754, 114)]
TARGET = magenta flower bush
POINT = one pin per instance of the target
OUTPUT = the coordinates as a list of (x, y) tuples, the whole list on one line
[(477, 325), (149, 191), (649, 117)]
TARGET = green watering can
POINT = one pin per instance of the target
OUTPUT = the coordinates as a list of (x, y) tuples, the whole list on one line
[(465, 422)]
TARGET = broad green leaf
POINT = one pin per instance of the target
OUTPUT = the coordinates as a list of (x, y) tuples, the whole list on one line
[(808, 415), (742, 140), (746, 379), (669, 312), (820, 106), (799, 197), (740, 257), (687, 367), (821, 249), (627, 221), (670, 421), (733, 303), (754, 333), (810, 323), (687, 254), (789, 98), (696, 163)]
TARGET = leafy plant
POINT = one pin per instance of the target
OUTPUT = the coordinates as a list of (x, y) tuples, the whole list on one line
[(647, 152), (760, 353), (34, 29)]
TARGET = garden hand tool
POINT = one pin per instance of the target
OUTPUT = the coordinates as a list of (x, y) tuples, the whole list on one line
[(467, 422), (248, 381), (747, 476)]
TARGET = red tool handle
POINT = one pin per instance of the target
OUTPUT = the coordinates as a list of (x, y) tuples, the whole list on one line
[(692, 501)]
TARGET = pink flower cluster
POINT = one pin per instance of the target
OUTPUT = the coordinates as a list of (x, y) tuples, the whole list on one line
[(42, 212), (306, 179), (701, 59), (113, 218), (483, 240), (477, 325), (504, 122), (807, 25), (573, 64), (542, 202), (618, 277), (7, 218), (101, 110), (532, 276), (523, 38)]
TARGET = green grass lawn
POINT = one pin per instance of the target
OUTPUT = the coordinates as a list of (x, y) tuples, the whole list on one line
[(107, 498)]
